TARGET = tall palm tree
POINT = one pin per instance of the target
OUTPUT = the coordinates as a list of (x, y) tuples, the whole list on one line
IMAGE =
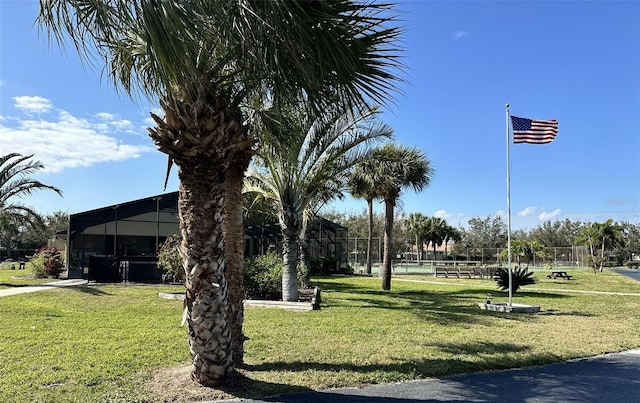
[(203, 60), (416, 224), (303, 156), (599, 236), (435, 232), (396, 168), (450, 234), (16, 182), (360, 185)]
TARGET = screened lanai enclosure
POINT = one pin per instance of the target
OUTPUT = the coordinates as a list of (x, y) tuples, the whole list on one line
[(119, 242)]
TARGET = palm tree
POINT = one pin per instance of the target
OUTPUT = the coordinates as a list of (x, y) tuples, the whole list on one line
[(435, 232), (15, 183), (203, 60), (450, 234), (396, 167), (360, 185), (416, 224), (599, 235), (306, 159)]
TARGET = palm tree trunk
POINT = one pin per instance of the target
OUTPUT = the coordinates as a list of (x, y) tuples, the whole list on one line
[(290, 269), (370, 237), (201, 210), (388, 241), (234, 250), (602, 254), (303, 257)]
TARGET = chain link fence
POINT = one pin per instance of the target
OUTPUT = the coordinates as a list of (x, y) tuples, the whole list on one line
[(405, 256)]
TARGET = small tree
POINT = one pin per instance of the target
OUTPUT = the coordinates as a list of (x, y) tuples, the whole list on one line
[(170, 261), (47, 262)]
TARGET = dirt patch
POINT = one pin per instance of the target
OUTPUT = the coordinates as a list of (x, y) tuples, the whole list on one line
[(175, 385)]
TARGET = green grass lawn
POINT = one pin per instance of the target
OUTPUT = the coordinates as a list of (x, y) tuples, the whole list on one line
[(105, 343)]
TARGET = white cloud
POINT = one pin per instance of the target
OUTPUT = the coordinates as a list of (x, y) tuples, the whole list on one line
[(33, 104), (453, 219), (61, 140), (528, 211), (105, 116), (548, 216), (459, 34)]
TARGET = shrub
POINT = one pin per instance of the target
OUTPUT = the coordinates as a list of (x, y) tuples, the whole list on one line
[(170, 261), (47, 262), (633, 264), (37, 266), (263, 277), (519, 278)]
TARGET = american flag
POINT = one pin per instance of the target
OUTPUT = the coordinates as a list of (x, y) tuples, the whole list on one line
[(533, 131)]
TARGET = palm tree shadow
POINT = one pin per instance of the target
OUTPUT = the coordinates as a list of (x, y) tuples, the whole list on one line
[(89, 290), (242, 386)]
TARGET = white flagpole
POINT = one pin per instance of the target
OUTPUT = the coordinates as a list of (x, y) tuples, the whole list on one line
[(508, 205)]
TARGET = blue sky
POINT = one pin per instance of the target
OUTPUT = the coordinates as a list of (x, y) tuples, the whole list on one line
[(577, 62)]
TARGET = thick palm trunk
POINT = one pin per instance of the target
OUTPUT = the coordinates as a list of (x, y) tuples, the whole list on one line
[(204, 138), (388, 242), (370, 237), (290, 268), (201, 210), (234, 250)]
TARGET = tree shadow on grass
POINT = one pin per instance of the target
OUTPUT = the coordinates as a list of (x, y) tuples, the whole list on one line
[(242, 386), (494, 357), (89, 290), (9, 285), (480, 347), (445, 307)]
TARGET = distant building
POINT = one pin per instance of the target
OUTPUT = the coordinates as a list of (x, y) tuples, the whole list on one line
[(119, 242)]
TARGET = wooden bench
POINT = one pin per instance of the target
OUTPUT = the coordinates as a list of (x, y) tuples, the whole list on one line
[(559, 274), (450, 271)]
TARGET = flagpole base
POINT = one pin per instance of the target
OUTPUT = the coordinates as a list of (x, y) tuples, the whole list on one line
[(505, 307)]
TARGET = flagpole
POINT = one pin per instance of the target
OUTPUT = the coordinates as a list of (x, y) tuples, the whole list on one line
[(508, 207)]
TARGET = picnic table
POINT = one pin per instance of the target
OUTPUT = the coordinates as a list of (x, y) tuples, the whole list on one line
[(559, 274)]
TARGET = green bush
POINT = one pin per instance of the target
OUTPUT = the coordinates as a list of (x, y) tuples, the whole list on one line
[(170, 261), (47, 262), (633, 264), (263, 277), (37, 266), (519, 278)]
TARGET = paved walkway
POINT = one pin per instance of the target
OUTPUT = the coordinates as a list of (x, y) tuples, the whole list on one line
[(611, 378), (41, 287)]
